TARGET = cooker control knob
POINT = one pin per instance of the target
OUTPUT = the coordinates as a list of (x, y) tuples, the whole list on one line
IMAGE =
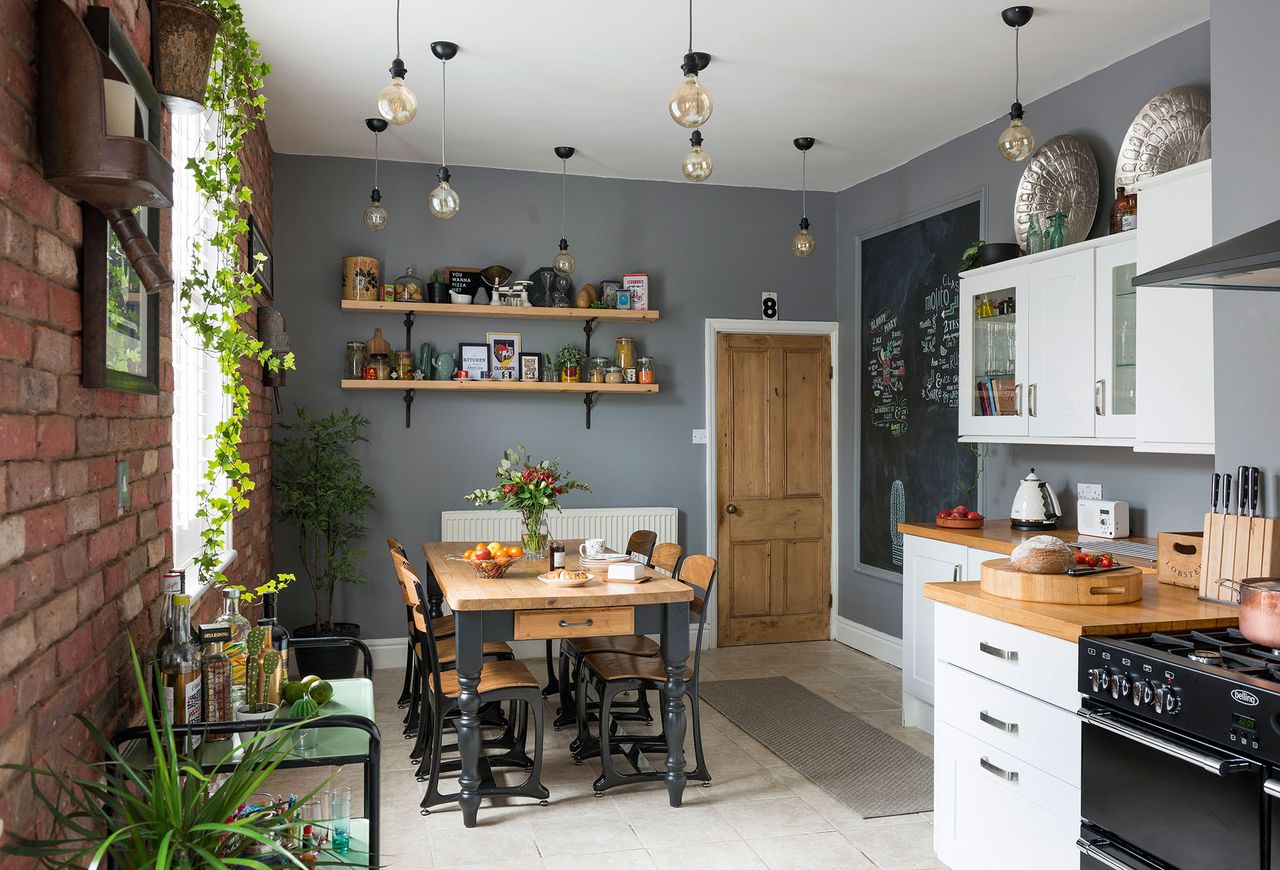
[(1167, 701), (1119, 686), (1141, 693), (1098, 678)]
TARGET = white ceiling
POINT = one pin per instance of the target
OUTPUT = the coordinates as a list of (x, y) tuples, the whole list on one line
[(874, 86)]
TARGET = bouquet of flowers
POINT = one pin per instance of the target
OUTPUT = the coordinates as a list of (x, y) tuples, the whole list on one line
[(532, 488)]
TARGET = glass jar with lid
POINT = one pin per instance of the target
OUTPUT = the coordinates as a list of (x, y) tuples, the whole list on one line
[(355, 360), (644, 370), (625, 352), (595, 374), (613, 375), (381, 364), (409, 287)]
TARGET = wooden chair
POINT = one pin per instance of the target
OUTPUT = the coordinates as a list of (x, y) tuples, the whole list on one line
[(444, 628), (640, 545), (609, 673), (500, 681)]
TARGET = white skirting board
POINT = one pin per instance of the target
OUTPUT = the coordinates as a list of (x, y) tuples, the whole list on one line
[(865, 639)]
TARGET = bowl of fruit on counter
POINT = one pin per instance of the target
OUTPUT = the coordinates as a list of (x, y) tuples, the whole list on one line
[(491, 560), (959, 517)]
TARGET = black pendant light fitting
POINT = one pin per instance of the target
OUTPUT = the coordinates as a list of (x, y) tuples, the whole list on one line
[(444, 201), (396, 103), (803, 243), (1017, 141), (690, 106), (375, 215), (563, 263)]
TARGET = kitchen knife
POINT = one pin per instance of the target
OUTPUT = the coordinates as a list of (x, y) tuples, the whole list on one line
[(1217, 486), (1242, 475), (1226, 493), (1255, 486)]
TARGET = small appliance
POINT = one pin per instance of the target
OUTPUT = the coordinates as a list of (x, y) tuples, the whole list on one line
[(1035, 507), (1102, 518)]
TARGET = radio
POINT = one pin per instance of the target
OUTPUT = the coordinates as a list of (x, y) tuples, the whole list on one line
[(1102, 518)]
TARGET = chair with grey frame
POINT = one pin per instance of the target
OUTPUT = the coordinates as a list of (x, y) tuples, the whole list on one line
[(444, 628)]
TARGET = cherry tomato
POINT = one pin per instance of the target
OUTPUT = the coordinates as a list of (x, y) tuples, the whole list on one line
[(1105, 561), (1082, 559)]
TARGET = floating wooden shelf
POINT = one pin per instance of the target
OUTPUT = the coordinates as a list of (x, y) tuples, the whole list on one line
[(611, 315)]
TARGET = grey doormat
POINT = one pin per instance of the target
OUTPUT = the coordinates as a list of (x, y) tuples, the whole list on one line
[(856, 763)]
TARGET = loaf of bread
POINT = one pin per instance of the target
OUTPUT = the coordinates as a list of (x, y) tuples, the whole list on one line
[(1043, 554)]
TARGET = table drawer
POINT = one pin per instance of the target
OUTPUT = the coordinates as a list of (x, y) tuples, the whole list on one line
[(1038, 664), (1026, 727), (574, 622)]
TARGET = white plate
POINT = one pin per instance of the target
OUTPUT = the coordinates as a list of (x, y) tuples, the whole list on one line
[(604, 557), (566, 584)]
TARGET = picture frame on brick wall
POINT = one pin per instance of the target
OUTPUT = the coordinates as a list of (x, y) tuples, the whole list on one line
[(258, 245)]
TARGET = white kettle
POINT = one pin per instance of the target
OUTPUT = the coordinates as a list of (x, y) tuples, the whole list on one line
[(1035, 507)]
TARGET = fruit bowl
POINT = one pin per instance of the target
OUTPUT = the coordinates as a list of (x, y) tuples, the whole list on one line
[(950, 522), (490, 569)]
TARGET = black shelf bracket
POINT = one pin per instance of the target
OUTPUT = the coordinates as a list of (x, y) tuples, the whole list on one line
[(590, 400), (408, 331), (408, 407), (588, 327)]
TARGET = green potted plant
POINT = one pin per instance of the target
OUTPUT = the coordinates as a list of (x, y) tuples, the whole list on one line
[(569, 362), (158, 808), (438, 287), (531, 487), (319, 489)]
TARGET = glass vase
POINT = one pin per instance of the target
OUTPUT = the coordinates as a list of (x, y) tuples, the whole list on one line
[(533, 535)]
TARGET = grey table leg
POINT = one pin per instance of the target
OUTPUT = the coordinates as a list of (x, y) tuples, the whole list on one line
[(469, 628), (675, 654)]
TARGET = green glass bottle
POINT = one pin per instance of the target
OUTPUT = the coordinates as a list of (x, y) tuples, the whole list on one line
[(1056, 239)]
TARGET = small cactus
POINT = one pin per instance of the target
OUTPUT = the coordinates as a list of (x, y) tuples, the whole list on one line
[(304, 708), (271, 677)]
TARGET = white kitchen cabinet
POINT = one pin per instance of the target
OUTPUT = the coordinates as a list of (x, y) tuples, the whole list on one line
[(1175, 325), (1115, 339), (923, 561), (1059, 325), (993, 352)]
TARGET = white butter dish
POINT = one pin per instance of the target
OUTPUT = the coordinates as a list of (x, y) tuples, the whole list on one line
[(629, 571)]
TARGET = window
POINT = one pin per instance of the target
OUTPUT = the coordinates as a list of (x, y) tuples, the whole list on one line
[(198, 401)]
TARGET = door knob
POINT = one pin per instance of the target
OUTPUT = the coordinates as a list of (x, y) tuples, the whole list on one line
[(731, 508)]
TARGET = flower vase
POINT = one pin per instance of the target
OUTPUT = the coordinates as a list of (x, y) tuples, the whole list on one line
[(533, 536)]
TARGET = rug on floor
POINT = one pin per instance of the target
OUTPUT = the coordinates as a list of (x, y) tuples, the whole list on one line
[(859, 765)]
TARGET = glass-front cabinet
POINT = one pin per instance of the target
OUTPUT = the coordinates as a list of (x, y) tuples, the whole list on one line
[(1115, 396), (993, 353)]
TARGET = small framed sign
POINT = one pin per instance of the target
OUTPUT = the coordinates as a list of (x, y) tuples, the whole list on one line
[(768, 305), (504, 355), (473, 359), (530, 366), (464, 279)]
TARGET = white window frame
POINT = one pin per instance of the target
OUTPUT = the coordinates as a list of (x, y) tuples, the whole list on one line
[(199, 403)]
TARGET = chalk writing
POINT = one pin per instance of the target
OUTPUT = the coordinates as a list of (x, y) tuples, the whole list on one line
[(887, 373)]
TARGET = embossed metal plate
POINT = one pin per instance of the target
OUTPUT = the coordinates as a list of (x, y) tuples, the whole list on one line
[(1061, 176), (1165, 135)]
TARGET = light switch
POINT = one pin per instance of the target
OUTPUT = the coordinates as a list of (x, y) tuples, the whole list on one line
[(699, 436), (122, 486)]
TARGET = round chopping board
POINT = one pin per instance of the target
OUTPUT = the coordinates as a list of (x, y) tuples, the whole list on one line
[(1121, 586)]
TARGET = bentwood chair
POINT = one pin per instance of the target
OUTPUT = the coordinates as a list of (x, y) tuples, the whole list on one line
[(609, 673), (501, 681), (444, 628)]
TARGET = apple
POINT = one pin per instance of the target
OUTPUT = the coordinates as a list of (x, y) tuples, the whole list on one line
[(973, 515), (483, 554), (960, 509), (944, 513)]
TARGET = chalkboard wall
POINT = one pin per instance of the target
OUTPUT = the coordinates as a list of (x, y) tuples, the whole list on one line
[(911, 463)]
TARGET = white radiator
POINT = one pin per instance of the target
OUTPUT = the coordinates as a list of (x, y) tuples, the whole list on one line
[(615, 525)]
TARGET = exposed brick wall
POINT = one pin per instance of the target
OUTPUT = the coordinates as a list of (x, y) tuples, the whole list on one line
[(79, 575)]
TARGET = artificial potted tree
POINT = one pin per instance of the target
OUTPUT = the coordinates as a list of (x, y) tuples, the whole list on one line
[(320, 490), (569, 362)]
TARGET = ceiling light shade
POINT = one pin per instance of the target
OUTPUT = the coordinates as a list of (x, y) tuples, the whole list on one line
[(691, 104), (444, 202), (1017, 142), (396, 103), (697, 164), (375, 215), (563, 263), (803, 243)]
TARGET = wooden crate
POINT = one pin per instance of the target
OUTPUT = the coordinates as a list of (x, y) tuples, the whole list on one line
[(1178, 556)]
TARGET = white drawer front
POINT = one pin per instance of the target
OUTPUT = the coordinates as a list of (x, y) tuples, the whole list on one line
[(1042, 666), (1008, 720), (993, 811)]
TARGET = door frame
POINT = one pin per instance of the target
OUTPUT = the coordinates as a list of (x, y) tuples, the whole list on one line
[(830, 328)]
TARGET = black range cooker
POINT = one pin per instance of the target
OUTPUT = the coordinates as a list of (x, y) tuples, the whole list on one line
[(1180, 752)]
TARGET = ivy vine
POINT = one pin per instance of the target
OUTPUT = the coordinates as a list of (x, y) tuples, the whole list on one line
[(217, 296)]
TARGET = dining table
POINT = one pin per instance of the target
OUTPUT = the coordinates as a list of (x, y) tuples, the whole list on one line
[(519, 606)]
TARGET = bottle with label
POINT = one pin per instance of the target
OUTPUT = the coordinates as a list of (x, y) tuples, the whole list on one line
[(171, 584), (180, 670), (1119, 209), (1130, 219), (279, 637), (235, 645), (555, 555), (215, 675)]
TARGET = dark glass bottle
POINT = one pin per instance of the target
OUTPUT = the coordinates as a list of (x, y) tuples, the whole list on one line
[(279, 637), (555, 555)]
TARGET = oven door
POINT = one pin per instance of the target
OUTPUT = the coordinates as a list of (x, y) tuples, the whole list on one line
[(1166, 799)]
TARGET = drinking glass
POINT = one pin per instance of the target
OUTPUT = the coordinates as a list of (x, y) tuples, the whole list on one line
[(340, 812)]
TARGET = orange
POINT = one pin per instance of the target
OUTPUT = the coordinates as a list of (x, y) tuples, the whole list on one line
[(498, 551), (515, 552), (479, 546), (469, 555)]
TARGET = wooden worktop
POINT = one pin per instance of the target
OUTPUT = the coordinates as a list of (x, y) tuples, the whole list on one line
[(996, 536)]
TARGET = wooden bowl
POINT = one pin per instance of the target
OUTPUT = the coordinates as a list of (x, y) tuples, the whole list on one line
[(959, 522)]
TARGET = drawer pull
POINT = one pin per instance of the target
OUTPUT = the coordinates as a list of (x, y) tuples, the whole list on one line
[(584, 623), (1006, 727), (1006, 775), (1091, 849), (996, 652)]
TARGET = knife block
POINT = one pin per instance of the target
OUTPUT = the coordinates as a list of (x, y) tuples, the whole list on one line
[(1236, 548)]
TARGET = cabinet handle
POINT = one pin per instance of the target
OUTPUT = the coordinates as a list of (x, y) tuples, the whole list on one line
[(583, 624), (1091, 849), (1031, 399), (1017, 400), (999, 724), (1006, 775), (955, 573), (995, 651), (1099, 389)]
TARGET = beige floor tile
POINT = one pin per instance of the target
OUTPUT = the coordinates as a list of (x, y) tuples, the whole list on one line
[(774, 818), (453, 845), (632, 859), (658, 825), (905, 846), (733, 855), (821, 851), (600, 829)]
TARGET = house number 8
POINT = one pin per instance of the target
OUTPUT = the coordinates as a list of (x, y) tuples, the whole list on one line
[(768, 306)]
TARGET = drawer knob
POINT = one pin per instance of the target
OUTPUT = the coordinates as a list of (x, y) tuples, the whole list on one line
[(995, 651), (585, 623)]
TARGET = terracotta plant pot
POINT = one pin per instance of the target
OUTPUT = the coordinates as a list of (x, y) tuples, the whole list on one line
[(185, 36)]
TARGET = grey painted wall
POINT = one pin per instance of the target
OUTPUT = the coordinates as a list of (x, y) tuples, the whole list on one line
[(1166, 491), (709, 252), (1246, 193)]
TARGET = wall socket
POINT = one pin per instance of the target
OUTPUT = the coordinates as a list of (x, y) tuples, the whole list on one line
[(1089, 490)]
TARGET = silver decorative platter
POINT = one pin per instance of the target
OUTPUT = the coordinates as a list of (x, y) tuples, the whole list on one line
[(1165, 135), (1061, 176)]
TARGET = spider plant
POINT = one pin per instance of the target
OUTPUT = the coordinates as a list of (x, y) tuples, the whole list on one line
[(158, 809)]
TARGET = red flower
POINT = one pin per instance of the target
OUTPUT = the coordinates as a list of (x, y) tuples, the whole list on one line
[(528, 475), (559, 490), (508, 489)]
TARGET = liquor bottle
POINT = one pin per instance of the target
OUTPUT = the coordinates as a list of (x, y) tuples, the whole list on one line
[(215, 675), (1130, 221), (235, 645), (171, 584), (1119, 209), (279, 637), (180, 670)]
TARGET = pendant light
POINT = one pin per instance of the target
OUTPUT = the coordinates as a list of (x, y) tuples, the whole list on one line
[(1017, 141), (803, 244), (375, 216), (691, 103), (396, 103), (563, 264), (444, 201), (697, 164)]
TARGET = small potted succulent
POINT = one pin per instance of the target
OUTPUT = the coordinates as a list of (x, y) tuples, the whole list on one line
[(569, 362)]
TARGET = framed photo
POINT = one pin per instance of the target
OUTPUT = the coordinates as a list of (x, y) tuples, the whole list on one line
[(258, 245), (530, 366), (504, 355), (473, 359)]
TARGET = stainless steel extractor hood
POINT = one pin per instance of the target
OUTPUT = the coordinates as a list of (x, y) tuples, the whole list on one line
[(1248, 262)]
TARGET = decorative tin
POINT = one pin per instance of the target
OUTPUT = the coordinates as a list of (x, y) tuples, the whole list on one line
[(360, 280)]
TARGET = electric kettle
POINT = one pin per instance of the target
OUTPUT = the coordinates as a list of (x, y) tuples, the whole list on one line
[(1035, 507)]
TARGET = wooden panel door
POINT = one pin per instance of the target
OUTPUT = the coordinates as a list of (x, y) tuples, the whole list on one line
[(773, 488)]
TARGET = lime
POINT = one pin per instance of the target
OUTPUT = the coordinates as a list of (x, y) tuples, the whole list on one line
[(294, 692), (309, 679), (321, 691)]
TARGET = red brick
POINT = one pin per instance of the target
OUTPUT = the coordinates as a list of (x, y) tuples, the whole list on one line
[(55, 259), (83, 513), (15, 339), (73, 560), (54, 351), (57, 618), (28, 484), (37, 679), (71, 478), (34, 580), (55, 436), (17, 238), (30, 193), (39, 390), (93, 436), (89, 596), (75, 651), (104, 546), (46, 527), (17, 437), (102, 472), (64, 308)]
